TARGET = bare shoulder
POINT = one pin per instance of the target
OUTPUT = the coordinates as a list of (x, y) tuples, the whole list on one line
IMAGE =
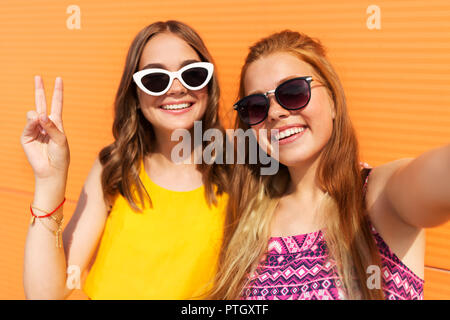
[(95, 172), (380, 176), (405, 240)]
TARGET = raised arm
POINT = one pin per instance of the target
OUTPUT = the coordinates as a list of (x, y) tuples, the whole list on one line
[(47, 150)]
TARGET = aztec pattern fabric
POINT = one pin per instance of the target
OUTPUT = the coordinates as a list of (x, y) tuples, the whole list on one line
[(298, 268)]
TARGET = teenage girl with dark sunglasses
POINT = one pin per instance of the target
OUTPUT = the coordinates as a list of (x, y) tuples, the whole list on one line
[(321, 227)]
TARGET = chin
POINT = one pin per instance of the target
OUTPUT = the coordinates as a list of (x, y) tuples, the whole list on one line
[(187, 125), (181, 121), (296, 158)]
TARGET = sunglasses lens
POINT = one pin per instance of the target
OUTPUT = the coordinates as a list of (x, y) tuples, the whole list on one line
[(155, 82), (294, 94), (253, 109), (195, 77)]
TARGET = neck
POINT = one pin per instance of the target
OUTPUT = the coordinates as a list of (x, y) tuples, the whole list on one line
[(299, 209), (303, 182), (162, 151)]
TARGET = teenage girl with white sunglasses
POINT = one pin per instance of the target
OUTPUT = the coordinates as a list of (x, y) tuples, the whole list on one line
[(144, 227)]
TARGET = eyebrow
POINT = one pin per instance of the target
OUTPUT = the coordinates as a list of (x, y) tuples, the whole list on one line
[(162, 66), (278, 83)]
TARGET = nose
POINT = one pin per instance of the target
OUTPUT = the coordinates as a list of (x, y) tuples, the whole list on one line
[(276, 111), (176, 88)]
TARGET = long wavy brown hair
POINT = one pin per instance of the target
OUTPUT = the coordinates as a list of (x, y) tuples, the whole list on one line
[(134, 135), (253, 197)]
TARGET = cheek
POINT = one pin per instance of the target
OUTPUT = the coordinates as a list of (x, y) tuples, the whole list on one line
[(321, 114), (320, 122), (202, 96), (146, 100), (149, 107), (259, 130), (263, 137), (202, 100)]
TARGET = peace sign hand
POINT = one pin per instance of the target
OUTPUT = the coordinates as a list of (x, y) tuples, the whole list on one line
[(43, 138)]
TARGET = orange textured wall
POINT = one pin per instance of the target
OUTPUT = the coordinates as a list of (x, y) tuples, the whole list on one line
[(396, 77)]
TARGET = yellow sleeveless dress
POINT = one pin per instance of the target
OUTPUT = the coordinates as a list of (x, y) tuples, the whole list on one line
[(169, 251)]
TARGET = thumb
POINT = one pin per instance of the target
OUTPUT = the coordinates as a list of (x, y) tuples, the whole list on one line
[(55, 134)]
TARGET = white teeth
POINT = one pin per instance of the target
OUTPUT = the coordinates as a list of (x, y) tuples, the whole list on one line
[(289, 132), (176, 106)]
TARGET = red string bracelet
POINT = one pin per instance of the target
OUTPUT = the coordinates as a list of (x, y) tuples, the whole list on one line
[(47, 215)]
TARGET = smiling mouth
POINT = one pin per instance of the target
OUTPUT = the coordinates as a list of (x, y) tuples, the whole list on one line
[(176, 106), (289, 132)]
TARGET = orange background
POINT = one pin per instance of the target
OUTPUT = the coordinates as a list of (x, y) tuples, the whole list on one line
[(397, 81)]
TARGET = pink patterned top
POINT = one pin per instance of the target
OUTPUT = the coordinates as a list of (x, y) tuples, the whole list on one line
[(298, 268)]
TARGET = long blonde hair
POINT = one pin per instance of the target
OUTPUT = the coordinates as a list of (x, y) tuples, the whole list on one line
[(253, 197), (134, 135)]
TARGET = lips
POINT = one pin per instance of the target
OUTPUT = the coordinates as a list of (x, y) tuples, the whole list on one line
[(176, 106), (288, 131)]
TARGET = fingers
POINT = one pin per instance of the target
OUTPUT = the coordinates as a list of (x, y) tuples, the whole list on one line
[(364, 165), (39, 95), (32, 128), (57, 103), (52, 130), (38, 120), (32, 116)]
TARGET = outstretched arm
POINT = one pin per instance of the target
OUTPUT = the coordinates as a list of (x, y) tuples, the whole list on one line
[(418, 191)]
